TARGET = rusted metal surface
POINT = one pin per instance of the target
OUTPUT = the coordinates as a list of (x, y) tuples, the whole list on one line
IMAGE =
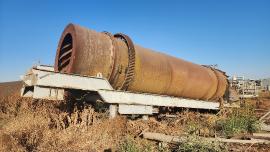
[(130, 70), (134, 68)]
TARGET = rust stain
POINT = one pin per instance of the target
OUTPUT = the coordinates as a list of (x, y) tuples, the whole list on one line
[(131, 67)]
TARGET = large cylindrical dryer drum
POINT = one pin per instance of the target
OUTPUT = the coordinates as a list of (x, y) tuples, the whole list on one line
[(131, 67)]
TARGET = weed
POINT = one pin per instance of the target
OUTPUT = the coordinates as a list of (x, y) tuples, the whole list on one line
[(194, 143), (163, 147), (129, 144), (202, 126), (193, 127), (238, 121)]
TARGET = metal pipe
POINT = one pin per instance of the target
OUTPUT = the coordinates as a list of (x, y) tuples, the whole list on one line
[(134, 68)]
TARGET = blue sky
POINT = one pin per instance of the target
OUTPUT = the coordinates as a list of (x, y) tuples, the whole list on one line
[(235, 34)]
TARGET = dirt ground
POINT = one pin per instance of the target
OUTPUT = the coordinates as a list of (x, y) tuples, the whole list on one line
[(40, 125)]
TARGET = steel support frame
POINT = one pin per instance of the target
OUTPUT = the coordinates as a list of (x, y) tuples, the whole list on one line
[(41, 82)]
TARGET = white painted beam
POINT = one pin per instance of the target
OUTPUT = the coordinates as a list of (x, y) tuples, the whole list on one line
[(120, 97), (135, 109), (37, 77), (48, 93)]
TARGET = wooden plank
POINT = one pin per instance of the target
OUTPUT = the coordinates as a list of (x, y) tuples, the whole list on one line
[(265, 127), (265, 136), (180, 139), (264, 116)]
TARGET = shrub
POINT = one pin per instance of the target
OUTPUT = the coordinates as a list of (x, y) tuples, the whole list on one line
[(193, 128), (131, 145), (194, 143), (163, 147), (203, 126), (238, 121)]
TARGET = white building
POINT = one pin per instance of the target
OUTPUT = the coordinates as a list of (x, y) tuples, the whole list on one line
[(265, 83)]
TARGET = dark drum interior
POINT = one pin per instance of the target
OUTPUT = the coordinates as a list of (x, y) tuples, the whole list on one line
[(65, 53)]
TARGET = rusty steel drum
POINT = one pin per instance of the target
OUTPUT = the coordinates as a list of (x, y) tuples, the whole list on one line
[(134, 68)]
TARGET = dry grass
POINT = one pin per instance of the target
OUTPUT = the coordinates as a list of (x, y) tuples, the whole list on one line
[(265, 95), (28, 125), (40, 125)]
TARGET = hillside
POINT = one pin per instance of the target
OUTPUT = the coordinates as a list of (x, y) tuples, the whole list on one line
[(10, 88)]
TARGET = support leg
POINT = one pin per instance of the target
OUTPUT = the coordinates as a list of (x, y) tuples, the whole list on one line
[(113, 111), (145, 117)]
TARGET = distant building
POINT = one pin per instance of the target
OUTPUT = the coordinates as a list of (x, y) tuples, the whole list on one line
[(265, 84), (238, 78), (245, 87)]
